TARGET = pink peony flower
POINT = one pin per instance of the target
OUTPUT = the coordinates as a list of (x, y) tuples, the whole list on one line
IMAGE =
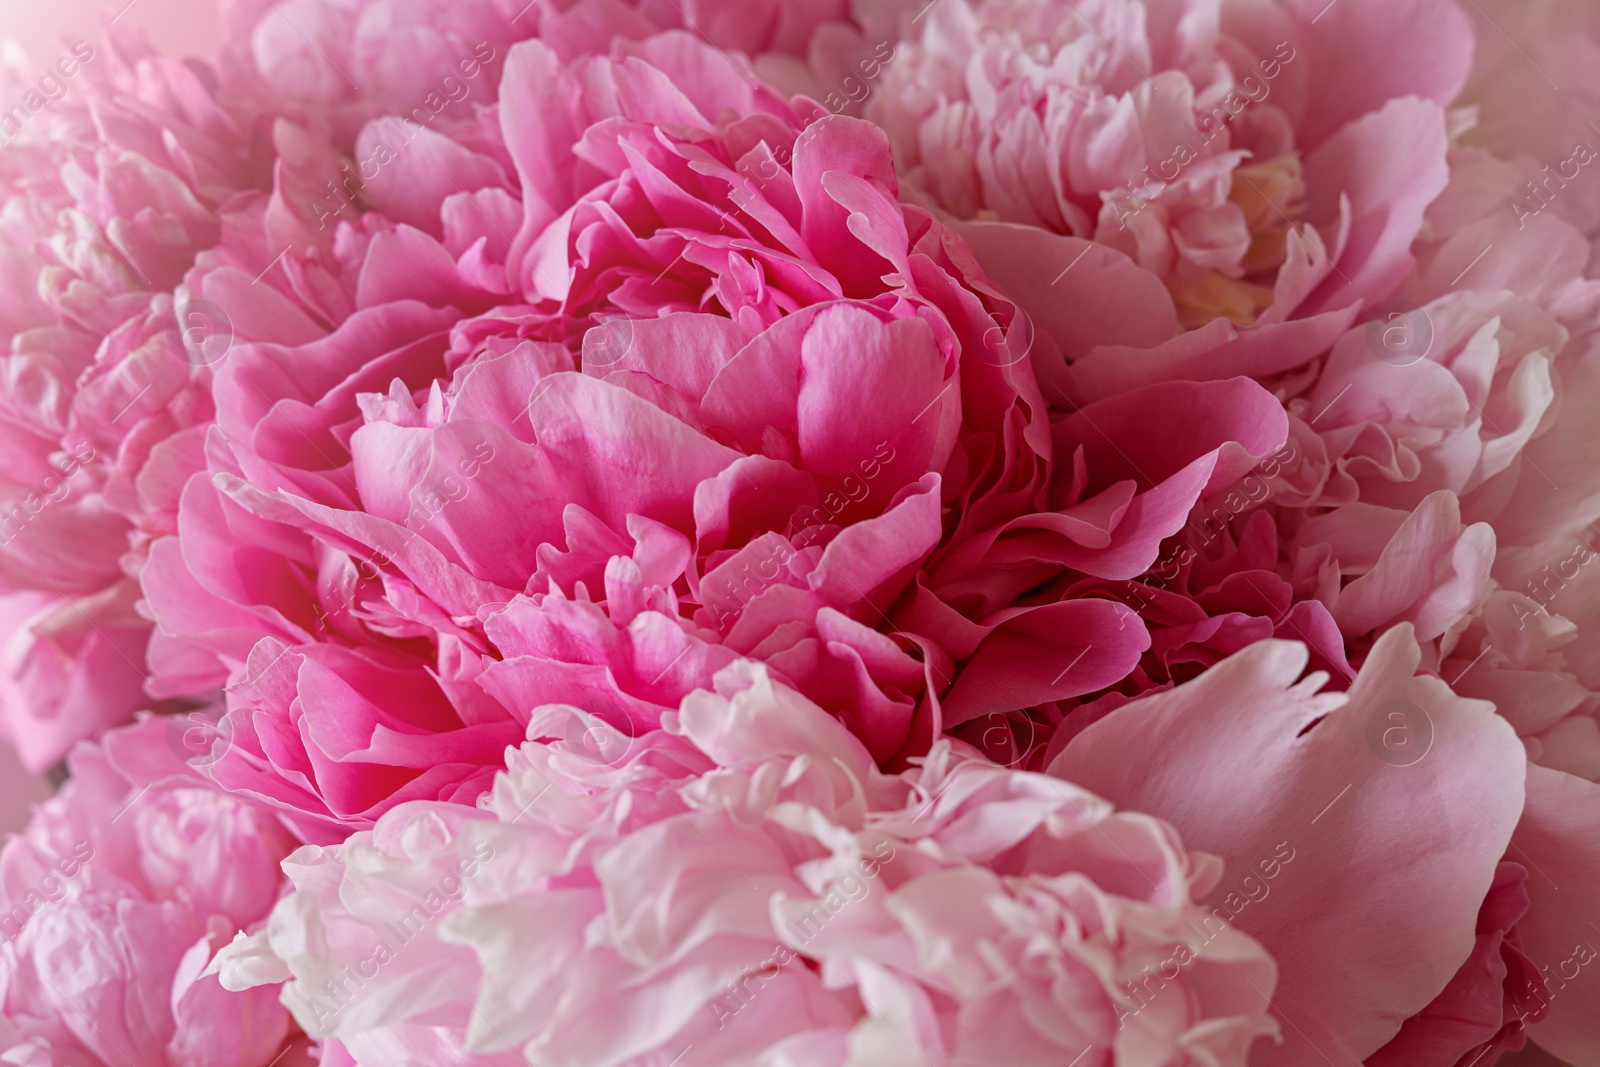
[(705, 405), (113, 902), (1450, 447), (691, 536), (1447, 488), (1438, 470), (1257, 162), (1504, 427), (1128, 174), (744, 886), (108, 195)]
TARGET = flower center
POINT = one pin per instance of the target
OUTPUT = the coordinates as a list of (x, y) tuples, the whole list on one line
[(1270, 194)]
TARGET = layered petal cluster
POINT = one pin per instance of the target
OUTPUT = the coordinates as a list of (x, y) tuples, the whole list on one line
[(109, 187), (334, 65), (1186, 193), (116, 899), (1436, 366), (1455, 456), (744, 886), (756, 532), (1262, 161), (656, 375), (1507, 431)]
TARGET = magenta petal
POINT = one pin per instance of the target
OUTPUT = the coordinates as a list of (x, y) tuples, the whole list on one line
[(1047, 653)]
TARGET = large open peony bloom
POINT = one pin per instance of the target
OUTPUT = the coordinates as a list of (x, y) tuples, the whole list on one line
[(1248, 162), (655, 375), (114, 901), (744, 886), (1185, 193)]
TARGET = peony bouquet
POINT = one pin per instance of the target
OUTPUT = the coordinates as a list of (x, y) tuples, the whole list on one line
[(803, 533)]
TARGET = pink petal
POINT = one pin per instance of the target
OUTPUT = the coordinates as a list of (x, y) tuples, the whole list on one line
[(1244, 762)]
